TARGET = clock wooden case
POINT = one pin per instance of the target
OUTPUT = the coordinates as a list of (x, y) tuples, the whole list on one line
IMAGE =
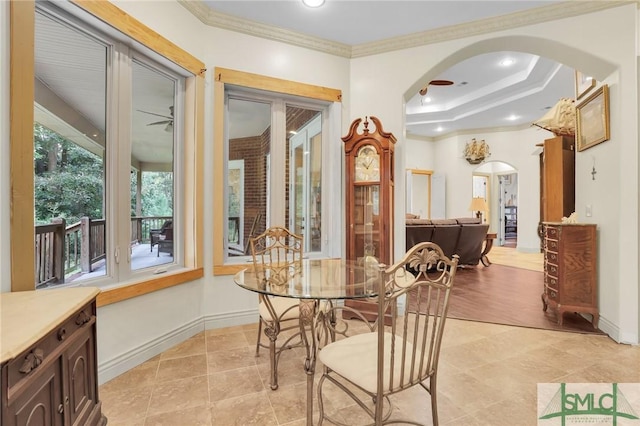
[(369, 197)]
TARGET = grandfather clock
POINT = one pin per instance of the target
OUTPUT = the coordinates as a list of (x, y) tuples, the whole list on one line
[(369, 199)]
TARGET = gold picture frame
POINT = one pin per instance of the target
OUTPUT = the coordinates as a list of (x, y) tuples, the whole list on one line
[(584, 83), (592, 119)]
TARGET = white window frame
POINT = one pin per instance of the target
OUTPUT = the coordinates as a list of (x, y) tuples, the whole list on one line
[(331, 244)]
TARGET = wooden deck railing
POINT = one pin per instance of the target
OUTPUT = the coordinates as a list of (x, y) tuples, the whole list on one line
[(61, 250)]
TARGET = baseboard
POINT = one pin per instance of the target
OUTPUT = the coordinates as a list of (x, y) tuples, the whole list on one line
[(112, 368), (122, 363), (614, 332), (230, 319)]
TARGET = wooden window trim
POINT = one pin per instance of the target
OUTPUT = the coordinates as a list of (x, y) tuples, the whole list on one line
[(22, 73), (224, 76)]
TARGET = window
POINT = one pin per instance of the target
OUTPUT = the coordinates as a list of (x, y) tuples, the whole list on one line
[(274, 144), (116, 153)]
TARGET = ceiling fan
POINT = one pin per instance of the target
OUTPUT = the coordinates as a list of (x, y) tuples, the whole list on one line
[(168, 119), (423, 91)]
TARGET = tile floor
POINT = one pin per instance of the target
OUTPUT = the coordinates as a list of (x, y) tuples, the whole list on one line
[(488, 376)]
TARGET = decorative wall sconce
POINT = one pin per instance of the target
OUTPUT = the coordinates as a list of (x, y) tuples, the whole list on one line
[(475, 151)]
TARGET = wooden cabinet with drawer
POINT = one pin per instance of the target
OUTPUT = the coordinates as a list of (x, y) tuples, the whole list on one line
[(48, 371), (570, 275)]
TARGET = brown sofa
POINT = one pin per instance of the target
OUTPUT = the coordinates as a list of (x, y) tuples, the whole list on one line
[(462, 236)]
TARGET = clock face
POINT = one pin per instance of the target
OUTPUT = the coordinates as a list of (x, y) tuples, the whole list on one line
[(367, 164)]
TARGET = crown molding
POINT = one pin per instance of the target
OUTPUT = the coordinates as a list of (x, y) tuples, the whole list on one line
[(228, 22), (484, 26)]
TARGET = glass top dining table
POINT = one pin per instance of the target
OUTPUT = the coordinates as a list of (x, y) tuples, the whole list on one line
[(313, 282), (317, 279)]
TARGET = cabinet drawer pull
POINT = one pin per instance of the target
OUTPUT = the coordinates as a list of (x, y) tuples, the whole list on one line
[(82, 318), (60, 408), (31, 361), (62, 333)]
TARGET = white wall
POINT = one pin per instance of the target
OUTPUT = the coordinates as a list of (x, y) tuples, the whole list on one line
[(515, 148), (216, 299), (602, 44), (376, 85)]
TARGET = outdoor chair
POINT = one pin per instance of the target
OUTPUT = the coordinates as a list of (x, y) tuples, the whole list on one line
[(165, 241), (154, 234), (383, 360), (277, 253)]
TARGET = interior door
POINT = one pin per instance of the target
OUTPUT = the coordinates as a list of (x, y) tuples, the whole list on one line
[(304, 175)]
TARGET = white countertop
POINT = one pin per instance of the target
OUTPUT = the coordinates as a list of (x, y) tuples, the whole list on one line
[(27, 316)]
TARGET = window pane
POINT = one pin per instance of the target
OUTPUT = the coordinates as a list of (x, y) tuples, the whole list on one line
[(249, 135), (152, 159), (69, 152), (304, 214)]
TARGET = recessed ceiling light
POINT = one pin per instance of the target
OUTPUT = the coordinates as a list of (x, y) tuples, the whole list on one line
[(507, 62), (313, 3), (439, 129), (513, 117)]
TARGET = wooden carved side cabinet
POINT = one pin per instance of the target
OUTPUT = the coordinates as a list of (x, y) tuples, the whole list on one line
[(570, 275), (48, 358)]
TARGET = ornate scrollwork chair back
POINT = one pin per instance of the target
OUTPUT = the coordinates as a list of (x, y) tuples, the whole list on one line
[(277, 255), (395, 357)]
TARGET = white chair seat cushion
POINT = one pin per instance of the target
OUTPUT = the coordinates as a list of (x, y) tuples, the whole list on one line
[(280, 305), (355, 358)]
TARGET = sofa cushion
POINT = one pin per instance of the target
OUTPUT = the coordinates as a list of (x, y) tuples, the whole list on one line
[(471, 241), (462, 220), (446, 236), (418, 222), (418, 234), (444, 221)]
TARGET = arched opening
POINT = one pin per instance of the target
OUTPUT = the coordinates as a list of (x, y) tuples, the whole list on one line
[(499, 182)]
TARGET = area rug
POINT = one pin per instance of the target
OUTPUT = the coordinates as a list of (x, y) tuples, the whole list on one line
[(507, 295)]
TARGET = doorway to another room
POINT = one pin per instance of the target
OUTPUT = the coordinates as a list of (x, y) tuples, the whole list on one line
[(496, 177)]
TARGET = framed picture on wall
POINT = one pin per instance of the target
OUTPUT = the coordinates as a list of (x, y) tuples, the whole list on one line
[(584, 83), (592, 119)]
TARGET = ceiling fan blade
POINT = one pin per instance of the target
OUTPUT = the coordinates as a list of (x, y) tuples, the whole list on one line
[(160, 122), (153, 113), (424, 90)]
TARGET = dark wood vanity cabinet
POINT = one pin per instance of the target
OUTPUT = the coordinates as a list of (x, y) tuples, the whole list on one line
[(54, 380)]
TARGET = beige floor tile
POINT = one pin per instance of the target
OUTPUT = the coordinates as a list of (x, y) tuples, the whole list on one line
[(488, 376), (141, 376), (229, 330), (196, 416), (178, 395), (253, 409), (125, 405), (289, 402), (230, 359), (290, 371), (224, 342), (234, 383), (192, 346), (183, 367), (470, 393)]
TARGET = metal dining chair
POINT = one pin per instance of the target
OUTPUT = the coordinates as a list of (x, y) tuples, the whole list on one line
[(277, 253), (390, 359)]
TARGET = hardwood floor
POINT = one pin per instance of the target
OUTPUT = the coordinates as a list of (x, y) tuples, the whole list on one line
[(508, 292)]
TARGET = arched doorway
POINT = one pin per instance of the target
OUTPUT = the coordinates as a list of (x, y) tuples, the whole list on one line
[(497, 182)]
